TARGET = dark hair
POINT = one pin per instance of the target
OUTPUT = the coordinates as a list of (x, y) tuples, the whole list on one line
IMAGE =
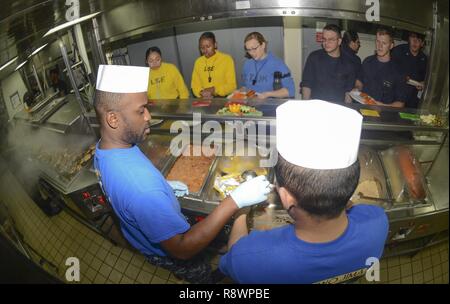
[(334, 28), (106, 101), (321, 193), (54, 71), (386, 31), (417, 35), (153, 49), (208, 35), (349, 36)]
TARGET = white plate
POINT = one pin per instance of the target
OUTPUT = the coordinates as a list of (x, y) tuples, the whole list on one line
[(413, 82), (355, 95)]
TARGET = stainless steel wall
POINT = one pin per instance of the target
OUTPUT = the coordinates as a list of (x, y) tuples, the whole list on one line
[(182, 49), (436, 93), (122, 20), (141, 16)]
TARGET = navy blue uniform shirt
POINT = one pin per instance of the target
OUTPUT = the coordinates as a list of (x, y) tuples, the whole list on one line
[(413, 66), (328, 78), (346, 50), (383, 81)]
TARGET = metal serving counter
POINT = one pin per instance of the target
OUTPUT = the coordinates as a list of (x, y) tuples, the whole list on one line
[(383, 181), (68, 169), (59, 114)]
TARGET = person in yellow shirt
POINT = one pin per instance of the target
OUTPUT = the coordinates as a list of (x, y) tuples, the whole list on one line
[(165, 81), (213, 74)]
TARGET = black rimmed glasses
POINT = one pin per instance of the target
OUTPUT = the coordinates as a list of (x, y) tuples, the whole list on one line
[(252, 49)]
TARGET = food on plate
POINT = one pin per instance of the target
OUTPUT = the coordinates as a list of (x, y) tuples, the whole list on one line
[(409, 167), (367, 99), (251, 94), (242, 94), (238, 109), (191, 170)]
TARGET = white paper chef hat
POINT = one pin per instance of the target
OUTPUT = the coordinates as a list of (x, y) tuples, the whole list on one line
[(317, 134), (122, 78)]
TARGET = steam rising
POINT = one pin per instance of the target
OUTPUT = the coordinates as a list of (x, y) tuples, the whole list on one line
[(31, 148)]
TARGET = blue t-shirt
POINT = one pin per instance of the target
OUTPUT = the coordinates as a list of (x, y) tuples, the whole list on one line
[(144, 202), (383, 81), (413, 66), (329, 78), (278, 256), (260, 72)]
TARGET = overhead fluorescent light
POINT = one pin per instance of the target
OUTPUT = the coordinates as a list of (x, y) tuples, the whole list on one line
[(20, 65), (38, 50), (70, 23), (8, 63)]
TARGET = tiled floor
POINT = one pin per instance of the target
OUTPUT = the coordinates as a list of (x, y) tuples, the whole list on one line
[(429, 266), (59, 237)]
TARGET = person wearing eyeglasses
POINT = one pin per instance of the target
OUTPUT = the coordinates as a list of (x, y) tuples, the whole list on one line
[(329, 75), (213, 74), (330, 240), (165, 81), (264, 73)]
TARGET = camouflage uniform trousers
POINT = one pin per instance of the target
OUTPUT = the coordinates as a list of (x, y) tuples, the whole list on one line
[(196, 270)]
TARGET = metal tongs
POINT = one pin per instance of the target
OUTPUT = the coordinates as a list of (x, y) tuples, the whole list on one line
[(392, 204), (249, 174), (388, 201)]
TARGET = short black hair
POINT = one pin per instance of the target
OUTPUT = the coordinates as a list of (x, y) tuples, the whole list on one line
[(418, 35), (349, 36), (153, 49), (334, 28), (208, 35), (321, 193), (106, 101)]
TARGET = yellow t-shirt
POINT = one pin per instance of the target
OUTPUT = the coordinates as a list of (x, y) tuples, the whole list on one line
[(216, 71), (166, 83)]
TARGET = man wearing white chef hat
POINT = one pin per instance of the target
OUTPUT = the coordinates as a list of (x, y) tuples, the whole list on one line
[(149, 213), (317, 172)]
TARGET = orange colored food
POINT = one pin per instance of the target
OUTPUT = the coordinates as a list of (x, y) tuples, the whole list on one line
[(234, 108), (411, 173), (367, 99), (191, 170), (238, 95)]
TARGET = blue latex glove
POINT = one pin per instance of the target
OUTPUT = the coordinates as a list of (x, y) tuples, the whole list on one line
[(179, 188), (251, 192)]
